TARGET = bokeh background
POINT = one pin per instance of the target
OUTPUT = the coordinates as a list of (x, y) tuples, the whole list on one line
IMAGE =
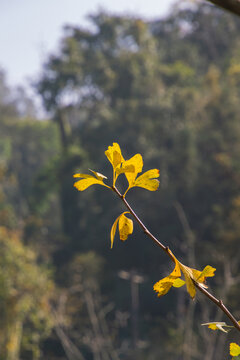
[(161, 79)]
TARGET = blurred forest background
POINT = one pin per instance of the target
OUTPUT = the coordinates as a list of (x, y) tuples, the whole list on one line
[(167, 89)]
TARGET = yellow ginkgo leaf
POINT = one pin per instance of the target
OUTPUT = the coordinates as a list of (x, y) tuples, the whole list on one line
[(148, 180), (113, 231), (234, 349), (137, 162), (212, 326), (196, 275), (84, 176), (123, 168), (188, 275), (163, 286), (125, 226), (114, 155), (88, 180), (178, 283), (218, 325), (208, 271)]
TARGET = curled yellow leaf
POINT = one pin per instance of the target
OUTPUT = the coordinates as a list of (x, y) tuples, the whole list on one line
[(113, 231), (188, 275), (234, 349), (125, 227), (218, 325)]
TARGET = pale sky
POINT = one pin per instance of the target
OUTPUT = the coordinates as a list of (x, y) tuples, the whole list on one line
[(31, 29)]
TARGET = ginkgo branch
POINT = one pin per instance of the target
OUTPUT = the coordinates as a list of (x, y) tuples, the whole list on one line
[(219, 303), (145, 230), (194, 279), (199, 286)]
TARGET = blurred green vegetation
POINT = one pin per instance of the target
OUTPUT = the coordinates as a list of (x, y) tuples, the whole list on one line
[(168, 89)]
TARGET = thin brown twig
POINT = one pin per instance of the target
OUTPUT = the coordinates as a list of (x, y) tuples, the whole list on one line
[(145, 229), (216, 301), (230, 5)]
